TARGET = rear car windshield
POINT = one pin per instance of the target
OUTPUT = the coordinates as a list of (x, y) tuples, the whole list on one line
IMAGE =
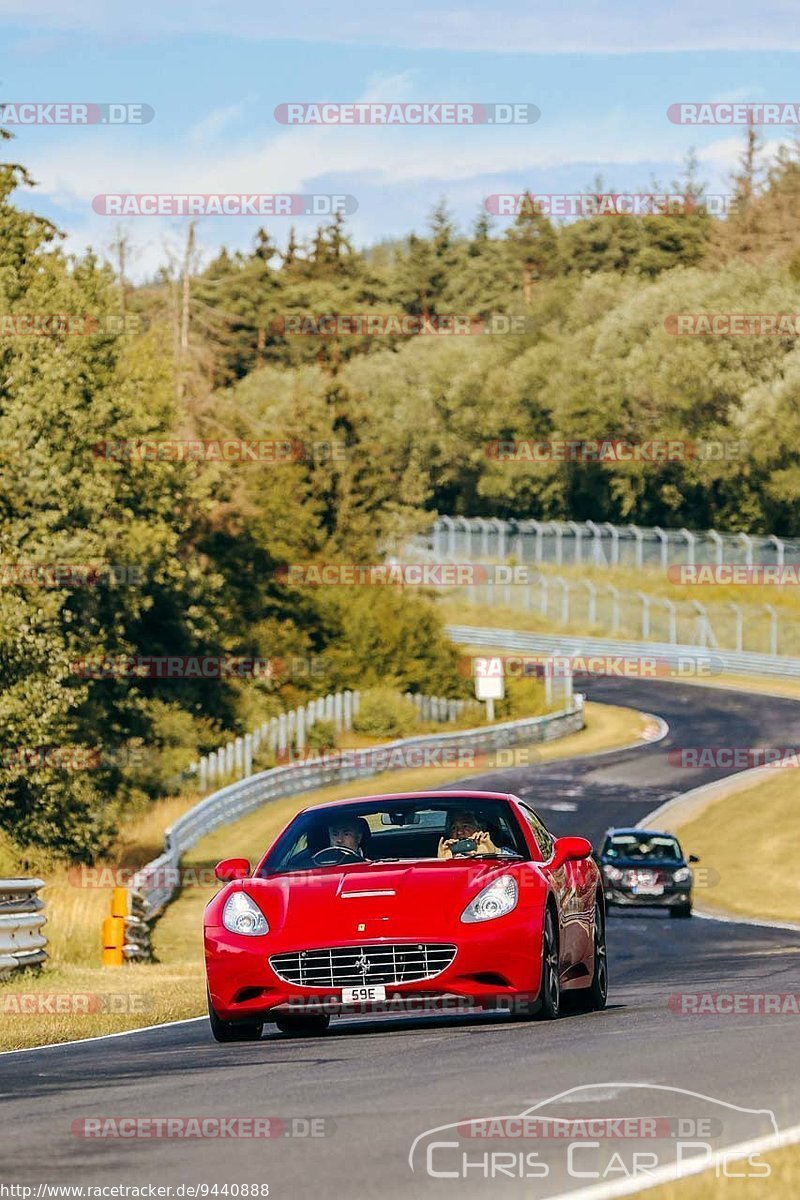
[(629, 845), (401, 830)]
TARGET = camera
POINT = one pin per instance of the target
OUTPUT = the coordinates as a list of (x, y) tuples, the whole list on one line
[(464, 846)]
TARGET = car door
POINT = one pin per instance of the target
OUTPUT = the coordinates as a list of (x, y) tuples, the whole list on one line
[(568, 885)]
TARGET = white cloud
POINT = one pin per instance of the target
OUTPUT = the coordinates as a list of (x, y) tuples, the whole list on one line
[(574, 25), (211, 126)]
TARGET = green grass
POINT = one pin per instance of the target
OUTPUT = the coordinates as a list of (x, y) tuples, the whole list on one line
[(744, 837)]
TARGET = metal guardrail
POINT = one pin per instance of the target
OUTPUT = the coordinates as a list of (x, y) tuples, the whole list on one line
[(21, 919), (717, 661), (155, 884)]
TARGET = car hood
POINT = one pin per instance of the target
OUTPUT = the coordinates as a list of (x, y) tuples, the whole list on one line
[(374, 901)]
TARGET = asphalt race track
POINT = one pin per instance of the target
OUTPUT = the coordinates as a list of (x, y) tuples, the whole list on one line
[(383, 1083)]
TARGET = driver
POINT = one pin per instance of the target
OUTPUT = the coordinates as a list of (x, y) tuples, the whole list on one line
[(347, 833), (465, 824)]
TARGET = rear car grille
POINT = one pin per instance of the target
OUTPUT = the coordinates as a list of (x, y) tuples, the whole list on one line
[(342, 966)]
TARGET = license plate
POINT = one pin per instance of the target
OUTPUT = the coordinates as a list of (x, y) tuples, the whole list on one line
[(649, 889), (357, 995)]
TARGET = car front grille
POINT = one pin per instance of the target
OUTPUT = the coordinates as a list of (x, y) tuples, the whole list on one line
[(638, 875), (343, 966)]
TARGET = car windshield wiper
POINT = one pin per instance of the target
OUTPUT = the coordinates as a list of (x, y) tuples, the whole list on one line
[(383, 860)]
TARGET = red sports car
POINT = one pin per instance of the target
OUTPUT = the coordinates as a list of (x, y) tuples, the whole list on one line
[(420, 902)]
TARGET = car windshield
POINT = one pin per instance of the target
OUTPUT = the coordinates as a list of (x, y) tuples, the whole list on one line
[(642, 847), (399, 830)]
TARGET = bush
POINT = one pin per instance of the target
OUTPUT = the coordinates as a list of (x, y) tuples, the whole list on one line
[(523, 698), (321, 736), (388, 637), (385, 713)]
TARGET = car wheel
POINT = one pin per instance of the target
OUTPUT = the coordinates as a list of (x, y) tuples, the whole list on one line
[(550, 989), (311, 1025), (233, 1031), (681, 910), (598, 991)]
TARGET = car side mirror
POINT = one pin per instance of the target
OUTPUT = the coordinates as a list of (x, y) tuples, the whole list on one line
[(570, 849), (693, 858), (232, 868)]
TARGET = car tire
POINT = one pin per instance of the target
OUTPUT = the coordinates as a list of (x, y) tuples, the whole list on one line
[(233, 1031), (549, 1000), (681, 910), (312, 1025)]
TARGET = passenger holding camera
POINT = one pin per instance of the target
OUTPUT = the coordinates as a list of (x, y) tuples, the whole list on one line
[(464, 838)]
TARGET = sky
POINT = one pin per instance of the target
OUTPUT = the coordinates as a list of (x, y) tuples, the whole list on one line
[(602, 76)]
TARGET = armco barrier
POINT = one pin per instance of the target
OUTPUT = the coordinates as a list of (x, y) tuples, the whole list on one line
[(732, 661), (155, 884), (21, 919)]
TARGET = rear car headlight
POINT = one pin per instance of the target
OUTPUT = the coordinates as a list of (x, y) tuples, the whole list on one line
[(242, 915), (682, 875), (496, 899), (613, 873)]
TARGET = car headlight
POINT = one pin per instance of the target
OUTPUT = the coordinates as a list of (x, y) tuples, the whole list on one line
[(682, 875), (613, 873), (242, 915), (496, 899)]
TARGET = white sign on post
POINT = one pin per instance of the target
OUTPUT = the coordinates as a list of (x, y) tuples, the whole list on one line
[(490, 682)]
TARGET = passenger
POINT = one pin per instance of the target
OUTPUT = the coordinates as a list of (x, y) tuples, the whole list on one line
[(465, 824)]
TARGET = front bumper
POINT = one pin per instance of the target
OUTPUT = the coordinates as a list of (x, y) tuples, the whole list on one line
[(674, 896), (496, 961)]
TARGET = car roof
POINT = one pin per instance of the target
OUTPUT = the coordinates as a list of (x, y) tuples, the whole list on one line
[(455, 794), (639, 832)]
